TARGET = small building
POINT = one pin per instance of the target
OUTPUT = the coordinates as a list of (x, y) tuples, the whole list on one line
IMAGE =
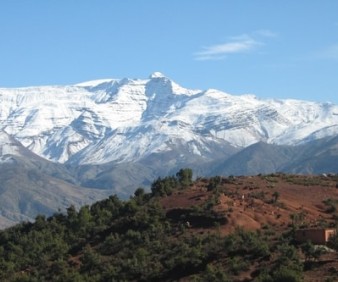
[(318, 236)]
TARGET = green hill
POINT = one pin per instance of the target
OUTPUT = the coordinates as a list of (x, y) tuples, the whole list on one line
[(151, 237)]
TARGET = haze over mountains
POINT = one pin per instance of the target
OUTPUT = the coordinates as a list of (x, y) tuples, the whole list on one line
[(115, 135)]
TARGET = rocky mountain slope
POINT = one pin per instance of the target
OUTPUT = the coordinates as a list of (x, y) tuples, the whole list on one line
[(115, 135), (127, 120), (31, 185)]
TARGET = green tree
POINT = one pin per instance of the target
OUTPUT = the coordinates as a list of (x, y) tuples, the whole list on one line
[(214, 274), (184, 176), (140, 196), (72, 216), (214, 182), (91, 261), (288, 267), (139, 192), (165, 186), (333, 241), (285, 274), (310, 251), (40, 222)]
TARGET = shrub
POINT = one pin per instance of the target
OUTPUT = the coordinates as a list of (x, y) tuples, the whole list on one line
[(285, 274), (214, 182)]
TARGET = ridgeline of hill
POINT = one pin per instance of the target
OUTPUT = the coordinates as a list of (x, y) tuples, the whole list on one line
[(216, 229)]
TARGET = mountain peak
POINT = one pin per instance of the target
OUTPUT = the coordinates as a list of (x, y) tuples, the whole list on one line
[(156, 74), (123, 119)]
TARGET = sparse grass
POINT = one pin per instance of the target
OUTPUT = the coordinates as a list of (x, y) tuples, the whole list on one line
[(307, 180), (258, 195), (331, 205), (271, 179)]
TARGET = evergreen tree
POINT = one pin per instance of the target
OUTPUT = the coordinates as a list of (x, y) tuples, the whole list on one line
[(184, 176)]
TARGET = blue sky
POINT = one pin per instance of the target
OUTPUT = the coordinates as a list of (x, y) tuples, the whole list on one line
[(273, 49)]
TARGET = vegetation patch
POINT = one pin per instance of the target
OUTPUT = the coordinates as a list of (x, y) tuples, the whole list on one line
[(143, 239)]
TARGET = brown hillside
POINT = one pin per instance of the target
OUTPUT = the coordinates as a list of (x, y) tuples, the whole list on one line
[(276, 202), (249, 202)]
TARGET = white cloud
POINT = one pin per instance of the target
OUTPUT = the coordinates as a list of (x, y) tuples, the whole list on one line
[(236, 45), (239, 44)]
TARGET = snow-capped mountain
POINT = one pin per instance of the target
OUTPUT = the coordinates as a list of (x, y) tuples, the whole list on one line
[(125, 120), (62, 145)]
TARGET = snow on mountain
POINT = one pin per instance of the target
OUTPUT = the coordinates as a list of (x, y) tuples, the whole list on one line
[(8, 147), (129, 119), (94, 83)]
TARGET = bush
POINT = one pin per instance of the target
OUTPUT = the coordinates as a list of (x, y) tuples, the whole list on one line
[(214, 182), (285, 274), (215, 274)]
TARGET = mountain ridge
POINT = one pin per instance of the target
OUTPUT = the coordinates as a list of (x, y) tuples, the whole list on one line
[(128, 119), (62, 145)]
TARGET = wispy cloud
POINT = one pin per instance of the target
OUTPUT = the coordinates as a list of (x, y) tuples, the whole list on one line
[(330, 52), (219, 51), (239, 44), (266, 33)]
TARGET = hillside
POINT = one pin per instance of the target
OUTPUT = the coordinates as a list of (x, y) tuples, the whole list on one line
[(31, 185), (211, 229)]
